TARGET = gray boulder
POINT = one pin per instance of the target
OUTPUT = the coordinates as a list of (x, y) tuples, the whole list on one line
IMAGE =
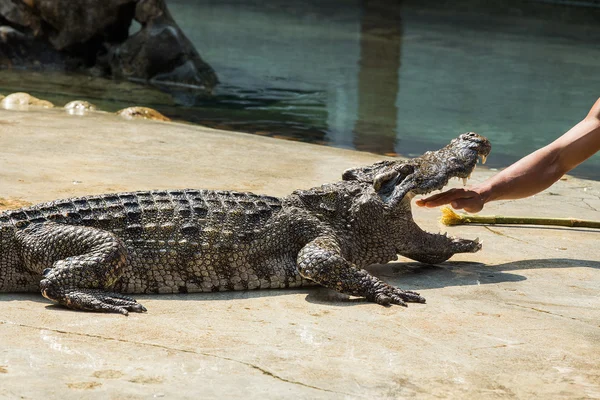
[(93, 36)]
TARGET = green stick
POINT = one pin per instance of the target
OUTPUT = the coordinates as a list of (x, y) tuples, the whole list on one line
[(449, 217)]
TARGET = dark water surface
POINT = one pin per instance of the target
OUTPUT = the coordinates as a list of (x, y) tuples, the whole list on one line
[(381, 76)]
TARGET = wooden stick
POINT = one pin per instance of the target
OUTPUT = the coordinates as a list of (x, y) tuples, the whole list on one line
[(449, 217)]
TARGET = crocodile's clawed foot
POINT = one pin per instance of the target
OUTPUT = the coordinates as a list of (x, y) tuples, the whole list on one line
[(97, 300), (93, 300), (388, 295)]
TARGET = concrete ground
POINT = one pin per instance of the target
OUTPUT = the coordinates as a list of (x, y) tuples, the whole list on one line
[(520, 319)]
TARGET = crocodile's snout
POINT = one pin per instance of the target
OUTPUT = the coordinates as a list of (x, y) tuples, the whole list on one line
[(476, 142), (457, 160), (393, 180)]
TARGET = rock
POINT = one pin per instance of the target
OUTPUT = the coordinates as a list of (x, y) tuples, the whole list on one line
[(93, 36), (20, 49), (71, 24), (141, 113), (79, 107), (22, 101), (19, 13), (161, 53)]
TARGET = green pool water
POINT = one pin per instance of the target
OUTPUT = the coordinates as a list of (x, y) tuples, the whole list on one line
[(387, 77)]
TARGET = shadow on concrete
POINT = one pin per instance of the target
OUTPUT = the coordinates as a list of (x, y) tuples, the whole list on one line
[(417, 276), (420, 276), (409, 275)]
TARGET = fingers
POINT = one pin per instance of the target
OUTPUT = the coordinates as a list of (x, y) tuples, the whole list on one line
[(468, 200), (445, 197)]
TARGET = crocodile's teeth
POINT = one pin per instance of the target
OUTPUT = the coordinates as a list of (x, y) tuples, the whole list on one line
[(464, 181), (483, 159)]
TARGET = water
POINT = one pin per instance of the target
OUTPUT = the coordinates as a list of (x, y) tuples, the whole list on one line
[(380, 76)]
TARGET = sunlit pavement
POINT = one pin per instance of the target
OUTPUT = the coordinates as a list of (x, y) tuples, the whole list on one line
[(519, 319)]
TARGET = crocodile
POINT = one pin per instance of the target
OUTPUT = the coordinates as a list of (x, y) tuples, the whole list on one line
[(89, 253)]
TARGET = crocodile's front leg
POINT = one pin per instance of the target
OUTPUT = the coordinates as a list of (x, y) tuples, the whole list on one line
[(321, 261), (78, 264)]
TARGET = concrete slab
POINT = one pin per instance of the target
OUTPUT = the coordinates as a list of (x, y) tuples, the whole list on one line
[(520, 319)]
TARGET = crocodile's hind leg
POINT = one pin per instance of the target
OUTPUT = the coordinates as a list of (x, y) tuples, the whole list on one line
[(78, 264), (321, 261)]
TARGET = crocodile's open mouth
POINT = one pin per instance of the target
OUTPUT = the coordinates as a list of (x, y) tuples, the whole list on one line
[(393, 180)]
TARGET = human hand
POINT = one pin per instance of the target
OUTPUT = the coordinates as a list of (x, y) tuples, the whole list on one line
[(468, 199)]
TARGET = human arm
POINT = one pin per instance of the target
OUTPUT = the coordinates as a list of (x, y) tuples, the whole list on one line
[(531, 174)]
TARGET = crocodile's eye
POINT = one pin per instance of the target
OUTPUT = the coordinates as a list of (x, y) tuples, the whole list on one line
[(407, 169), (349, 175)]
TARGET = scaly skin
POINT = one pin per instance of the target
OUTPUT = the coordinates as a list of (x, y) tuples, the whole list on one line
[(86, 253)]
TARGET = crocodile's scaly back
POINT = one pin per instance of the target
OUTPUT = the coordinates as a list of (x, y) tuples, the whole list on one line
[(128, 214)]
